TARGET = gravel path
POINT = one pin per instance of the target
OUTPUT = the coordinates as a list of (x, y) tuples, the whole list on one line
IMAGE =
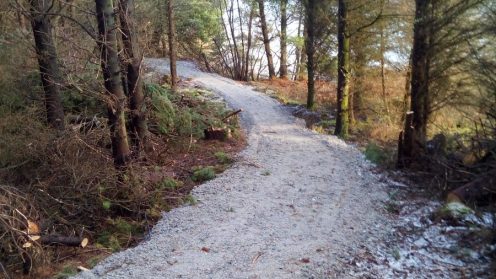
[(295, 205)]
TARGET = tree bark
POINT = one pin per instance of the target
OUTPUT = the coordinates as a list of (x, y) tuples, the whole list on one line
[(172, 43), (283, 69), (406, 95), (266, 40), (301, 75), (406, 142), (297, 51), (237, 57), (419, 89), (310, 50), (48, 65), (232, 69), (248, 43), (242, 58), (343, 117), (113, 82), (133, 61), (419, 79)]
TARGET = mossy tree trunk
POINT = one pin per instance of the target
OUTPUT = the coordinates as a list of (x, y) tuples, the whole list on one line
[(172, 43), (107, 42), (310, 50), (343, 116), (266, 39), (133, 61), (47, 60)]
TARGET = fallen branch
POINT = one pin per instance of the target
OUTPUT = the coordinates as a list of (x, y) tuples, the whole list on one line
[(231, 114)]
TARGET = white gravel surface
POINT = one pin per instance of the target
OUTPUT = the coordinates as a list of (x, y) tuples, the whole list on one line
[(296, 204)]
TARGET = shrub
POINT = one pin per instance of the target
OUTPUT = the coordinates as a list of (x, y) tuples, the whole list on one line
[(169, 183), (377, 154), (189, 199), (76, 102), (184, 123), (223, 158), (162, 114), (203, 174)]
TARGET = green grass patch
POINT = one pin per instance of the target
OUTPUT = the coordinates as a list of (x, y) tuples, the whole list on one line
[(169, 183), (201, 174), (223, 158), (189, 199)]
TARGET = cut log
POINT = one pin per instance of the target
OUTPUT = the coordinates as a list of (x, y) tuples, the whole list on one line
[(72, 241), (480, 191), (82, 268), (217, 133)]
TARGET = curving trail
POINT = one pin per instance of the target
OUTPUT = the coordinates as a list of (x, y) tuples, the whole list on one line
[(296, 204)]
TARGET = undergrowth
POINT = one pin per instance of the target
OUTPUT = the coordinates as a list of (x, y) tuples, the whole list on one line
[(66, 184), (201, 174)]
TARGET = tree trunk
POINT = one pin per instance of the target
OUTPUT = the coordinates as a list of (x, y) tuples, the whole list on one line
[(47, 60), (406, 95), (156, 39), (266, 40), (343, 119), (301, 75), (242, 58), (406, 142), (232, 69), (283, 69), (113, 82), (310, 49), (298, 49), (236, 53), (383, 73), (419, 82), (172, 43), (205, 60), (133, 60), (248, 43)]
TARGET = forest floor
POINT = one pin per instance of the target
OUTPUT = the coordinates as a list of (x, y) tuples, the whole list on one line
[(296, 204)]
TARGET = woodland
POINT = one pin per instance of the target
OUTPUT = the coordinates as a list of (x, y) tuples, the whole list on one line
[(94, 146)]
